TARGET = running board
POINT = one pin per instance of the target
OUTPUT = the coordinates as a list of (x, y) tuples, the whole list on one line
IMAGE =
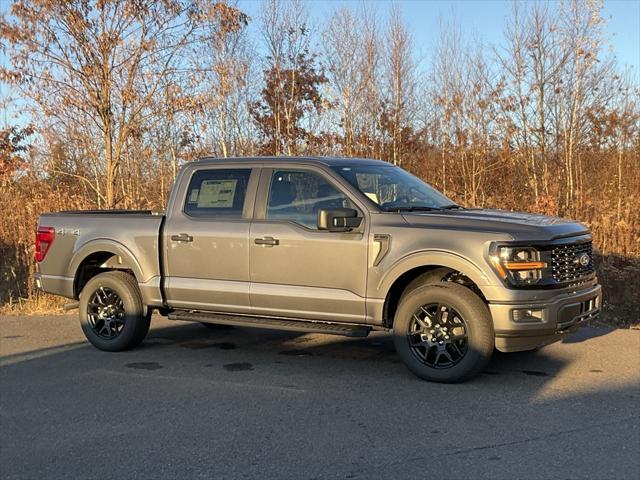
[(273, 323)]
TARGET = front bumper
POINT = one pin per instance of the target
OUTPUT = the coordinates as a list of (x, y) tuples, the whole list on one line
[(559, 316)]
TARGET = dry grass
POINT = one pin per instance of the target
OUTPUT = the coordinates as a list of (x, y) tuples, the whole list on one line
[(40, 304), (619, 276)]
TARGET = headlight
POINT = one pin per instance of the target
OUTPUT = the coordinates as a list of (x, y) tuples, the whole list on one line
[(518, 265)]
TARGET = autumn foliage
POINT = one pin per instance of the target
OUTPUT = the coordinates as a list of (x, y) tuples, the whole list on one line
[(117, 94)]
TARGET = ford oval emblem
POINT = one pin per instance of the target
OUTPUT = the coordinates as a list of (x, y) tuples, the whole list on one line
[(583, 259)]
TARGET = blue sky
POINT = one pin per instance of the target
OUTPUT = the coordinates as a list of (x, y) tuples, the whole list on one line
[(479, 19), (482, 20)]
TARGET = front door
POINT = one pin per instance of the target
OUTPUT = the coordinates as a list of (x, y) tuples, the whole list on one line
[(207, 242), (298, 271)]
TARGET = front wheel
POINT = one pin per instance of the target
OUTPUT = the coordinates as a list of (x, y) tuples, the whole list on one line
[(443, 333), (112, 315)]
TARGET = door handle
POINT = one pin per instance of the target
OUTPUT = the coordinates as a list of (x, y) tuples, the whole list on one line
[(183, 237), (267, 241)]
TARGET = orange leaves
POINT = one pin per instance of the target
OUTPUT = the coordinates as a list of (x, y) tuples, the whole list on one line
[(230, 19), (13, 146)]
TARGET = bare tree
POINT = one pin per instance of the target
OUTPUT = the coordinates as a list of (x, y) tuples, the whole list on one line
[(446, 94), (400, 79), (292, 78), (222, 64), (344, 49), (100, 64)]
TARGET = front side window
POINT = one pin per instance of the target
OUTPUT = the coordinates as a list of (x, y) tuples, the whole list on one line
[(297, 196), (393, 188), (216, 192)]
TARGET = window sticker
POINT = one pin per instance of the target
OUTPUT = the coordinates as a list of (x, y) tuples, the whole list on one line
[(217, 193), (193, 198), (372, 196)]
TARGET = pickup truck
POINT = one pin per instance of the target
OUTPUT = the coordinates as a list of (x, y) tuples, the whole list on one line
[(330, 245)]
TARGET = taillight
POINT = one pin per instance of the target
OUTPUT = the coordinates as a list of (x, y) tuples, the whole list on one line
[(44, 239)]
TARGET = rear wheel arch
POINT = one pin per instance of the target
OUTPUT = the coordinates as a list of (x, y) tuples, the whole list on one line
[(95, 259)]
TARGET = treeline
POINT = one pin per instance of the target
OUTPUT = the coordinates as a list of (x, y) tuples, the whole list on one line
[(120, 93)]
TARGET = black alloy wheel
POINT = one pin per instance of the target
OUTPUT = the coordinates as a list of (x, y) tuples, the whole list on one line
[(438, 335), (112, 314), (443, 332), (105, 313)]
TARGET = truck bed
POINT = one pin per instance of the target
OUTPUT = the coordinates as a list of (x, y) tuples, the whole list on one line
[(84, 235)]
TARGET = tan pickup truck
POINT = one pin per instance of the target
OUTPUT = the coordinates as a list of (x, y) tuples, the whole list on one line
[(330, 245)]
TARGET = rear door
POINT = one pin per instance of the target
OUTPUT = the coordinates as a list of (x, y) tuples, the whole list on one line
[(207, 240), (297, 270)]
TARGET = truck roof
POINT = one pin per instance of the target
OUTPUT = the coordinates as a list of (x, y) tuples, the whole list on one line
[(328, 161)]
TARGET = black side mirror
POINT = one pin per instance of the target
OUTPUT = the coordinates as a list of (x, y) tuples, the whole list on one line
[(338, 219)]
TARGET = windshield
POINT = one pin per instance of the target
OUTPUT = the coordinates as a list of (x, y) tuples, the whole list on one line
[(394, 189)]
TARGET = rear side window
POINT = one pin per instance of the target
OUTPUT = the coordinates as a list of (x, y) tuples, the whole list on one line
[(213, 193)]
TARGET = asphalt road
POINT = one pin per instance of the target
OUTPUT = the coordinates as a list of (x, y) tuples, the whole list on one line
[(242, 403)]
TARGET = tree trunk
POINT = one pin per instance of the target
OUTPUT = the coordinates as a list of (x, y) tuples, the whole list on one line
[(111, 166)]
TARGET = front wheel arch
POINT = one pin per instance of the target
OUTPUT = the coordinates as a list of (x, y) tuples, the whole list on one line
[(423, 275)]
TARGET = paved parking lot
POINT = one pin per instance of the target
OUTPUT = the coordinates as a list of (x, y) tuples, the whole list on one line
[(239, 403)]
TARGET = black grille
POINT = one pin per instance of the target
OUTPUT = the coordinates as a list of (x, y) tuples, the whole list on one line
[(566, 265)]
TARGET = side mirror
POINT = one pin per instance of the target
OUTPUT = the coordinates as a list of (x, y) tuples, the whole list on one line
[(338, 219)]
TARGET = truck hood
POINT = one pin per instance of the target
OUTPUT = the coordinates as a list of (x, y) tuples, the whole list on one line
[(519, 225)]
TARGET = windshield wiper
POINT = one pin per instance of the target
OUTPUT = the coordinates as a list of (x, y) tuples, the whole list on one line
[(453, 206), (411, 208)]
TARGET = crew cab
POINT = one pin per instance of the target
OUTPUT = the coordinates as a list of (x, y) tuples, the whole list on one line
[(330, 245)]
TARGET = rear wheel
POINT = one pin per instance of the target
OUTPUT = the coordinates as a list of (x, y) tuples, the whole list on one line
[(443, 332), (112, 315)]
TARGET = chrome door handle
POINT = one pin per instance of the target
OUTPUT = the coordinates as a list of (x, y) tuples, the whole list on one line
[(183, 237), (267, 241)]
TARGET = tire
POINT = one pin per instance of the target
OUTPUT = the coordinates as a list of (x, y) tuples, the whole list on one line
[(112, 315), (436, 275), (464, 320)]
